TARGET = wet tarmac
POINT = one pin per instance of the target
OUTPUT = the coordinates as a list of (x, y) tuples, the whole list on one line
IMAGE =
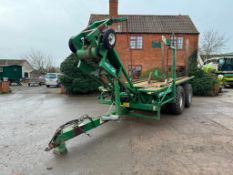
[(200, 141)]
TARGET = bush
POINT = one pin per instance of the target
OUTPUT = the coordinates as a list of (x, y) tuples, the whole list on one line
[(74, 80), (204, 83)]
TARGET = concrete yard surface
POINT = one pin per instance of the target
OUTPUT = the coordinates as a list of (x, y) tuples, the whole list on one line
[(200, 141)]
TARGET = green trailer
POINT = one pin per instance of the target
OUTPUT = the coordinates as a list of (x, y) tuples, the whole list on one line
[(12, 72), (94, 48)]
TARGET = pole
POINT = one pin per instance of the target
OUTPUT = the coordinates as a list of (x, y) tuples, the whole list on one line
[(174, 71), (117, 96)]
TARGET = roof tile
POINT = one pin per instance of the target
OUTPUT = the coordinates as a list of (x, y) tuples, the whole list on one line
[(153, 23), (8, 62)]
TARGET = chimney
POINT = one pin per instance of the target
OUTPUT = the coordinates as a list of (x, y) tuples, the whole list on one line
[(113, 8)]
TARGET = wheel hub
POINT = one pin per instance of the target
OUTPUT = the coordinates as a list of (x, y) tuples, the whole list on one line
[(111, 39), (181, 103), (190, 97)]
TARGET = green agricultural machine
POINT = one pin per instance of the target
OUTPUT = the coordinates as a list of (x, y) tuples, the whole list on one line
[(225, 71), (222, 66), (94, 48)]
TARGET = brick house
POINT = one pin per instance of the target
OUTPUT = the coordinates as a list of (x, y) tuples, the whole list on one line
[(139, 40)]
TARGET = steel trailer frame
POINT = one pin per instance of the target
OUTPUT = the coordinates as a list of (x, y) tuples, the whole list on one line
[(102, 63)]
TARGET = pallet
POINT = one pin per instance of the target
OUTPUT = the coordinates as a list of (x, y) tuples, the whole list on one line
[(155, 85)]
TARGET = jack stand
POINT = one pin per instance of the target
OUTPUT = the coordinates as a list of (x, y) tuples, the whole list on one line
[(61, 149)]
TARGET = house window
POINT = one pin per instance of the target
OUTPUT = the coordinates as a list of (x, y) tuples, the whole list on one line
[(135, 71), (136, 42), (26, 75), (1, 69), (177, 42), (180, 42), (173, 41)]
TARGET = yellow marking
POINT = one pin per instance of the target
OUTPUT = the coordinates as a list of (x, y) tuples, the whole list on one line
[(125, 105)]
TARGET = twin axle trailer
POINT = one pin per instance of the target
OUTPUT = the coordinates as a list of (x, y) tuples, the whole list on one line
[(94, 48)]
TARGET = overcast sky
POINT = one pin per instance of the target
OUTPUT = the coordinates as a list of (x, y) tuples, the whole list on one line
[(46, 25)]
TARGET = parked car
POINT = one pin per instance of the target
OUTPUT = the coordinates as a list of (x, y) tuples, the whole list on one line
[(52, 79)]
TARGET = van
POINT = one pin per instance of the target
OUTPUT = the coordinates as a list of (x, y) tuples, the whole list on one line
[(53, 79)]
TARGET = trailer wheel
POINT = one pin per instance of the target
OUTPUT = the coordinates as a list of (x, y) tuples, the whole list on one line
[(71, 46), (178, 106), (188, 95), (109, 39), (166, 108)]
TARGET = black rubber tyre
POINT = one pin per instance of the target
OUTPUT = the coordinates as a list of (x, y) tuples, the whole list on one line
[(47, 86), (29, 84), (166, 108), (188, 95), (71, 46), (178, 106), (109, 39)]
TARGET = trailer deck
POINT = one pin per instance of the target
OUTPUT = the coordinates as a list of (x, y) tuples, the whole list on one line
[(156, 85)]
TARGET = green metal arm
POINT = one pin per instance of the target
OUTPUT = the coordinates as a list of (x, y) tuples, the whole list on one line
[(70, 130)]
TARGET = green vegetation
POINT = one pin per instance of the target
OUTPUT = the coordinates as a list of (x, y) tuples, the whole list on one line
[(74, 81), (205, 82)]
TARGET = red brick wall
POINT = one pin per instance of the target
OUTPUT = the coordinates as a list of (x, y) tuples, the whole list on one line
[(150, 57), (113, 8)]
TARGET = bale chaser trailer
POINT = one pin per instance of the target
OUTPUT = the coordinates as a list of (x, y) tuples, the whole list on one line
[(94, 48)]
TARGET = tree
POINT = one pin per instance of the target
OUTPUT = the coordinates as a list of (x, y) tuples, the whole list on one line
[(39, 61), (74, 80), (212, 42)]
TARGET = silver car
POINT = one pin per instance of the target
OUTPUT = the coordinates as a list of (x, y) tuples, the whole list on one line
[(52, 79)]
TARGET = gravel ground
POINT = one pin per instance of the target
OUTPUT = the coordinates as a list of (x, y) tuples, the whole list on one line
[(200, 141)]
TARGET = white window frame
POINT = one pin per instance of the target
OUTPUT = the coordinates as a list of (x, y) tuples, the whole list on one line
[(136, 42), (180, 43), (134, 69), (173, 41), (133, 42), (177, 42)]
